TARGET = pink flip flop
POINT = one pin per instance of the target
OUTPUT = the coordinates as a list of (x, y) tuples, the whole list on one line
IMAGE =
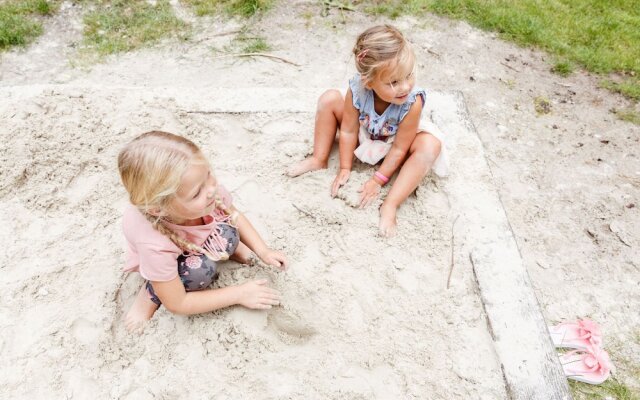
[(591, 366), (580, 334)]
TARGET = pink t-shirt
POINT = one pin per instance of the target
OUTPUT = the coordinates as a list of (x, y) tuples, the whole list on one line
[(153, 254)]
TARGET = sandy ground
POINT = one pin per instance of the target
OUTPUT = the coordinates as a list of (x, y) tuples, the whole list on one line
[(357, 322)]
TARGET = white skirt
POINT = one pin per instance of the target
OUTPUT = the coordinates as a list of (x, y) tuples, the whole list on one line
[(372, 151)]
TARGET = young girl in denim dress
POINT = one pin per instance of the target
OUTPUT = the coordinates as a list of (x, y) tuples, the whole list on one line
[(180, 224), (380, 118)]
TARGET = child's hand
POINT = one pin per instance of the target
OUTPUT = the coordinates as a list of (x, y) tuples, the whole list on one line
[(258, 296), (369, 192), (341, 179), (274, 258)]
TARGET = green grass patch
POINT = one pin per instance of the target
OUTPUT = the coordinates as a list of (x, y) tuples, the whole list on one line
[(562, 68), (256, 45), (627, 115), (599, 35), (611, 388), (124, 25), (629, 87), (19, 22), (541, 105), (247, 43), (242, 8)]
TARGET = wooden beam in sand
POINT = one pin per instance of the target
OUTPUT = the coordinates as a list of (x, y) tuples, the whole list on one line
[(528, 359)]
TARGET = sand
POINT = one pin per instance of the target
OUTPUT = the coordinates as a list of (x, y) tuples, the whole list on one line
[(362, 316)]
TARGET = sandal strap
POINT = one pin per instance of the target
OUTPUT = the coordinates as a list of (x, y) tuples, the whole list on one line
[(587, 330), (594, 358)]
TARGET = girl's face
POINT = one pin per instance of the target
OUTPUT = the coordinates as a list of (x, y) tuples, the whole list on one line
[(195, 197), (393, 85)]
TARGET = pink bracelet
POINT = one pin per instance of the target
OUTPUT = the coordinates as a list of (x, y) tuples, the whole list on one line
[(383, 178)]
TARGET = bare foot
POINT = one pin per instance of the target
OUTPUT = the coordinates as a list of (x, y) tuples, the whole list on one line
[(388, 222), (306, 165), (140, 312)]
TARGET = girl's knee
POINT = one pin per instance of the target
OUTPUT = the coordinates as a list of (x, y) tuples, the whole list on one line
[(426, 148), (330, 100)]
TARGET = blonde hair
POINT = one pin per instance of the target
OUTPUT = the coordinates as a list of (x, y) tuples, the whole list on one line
[(381, 48), (151, 168)]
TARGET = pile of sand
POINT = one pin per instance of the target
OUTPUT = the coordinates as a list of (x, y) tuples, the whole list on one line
[(362, 317)]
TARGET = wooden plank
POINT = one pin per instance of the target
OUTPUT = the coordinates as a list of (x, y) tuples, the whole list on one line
[(529, 361)]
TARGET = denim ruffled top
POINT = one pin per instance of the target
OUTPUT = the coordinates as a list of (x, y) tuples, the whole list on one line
[(384, 126)]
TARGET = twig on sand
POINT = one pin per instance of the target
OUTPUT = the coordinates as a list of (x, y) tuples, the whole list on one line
[(563, 84), (305, 212), (217, 35), (452, 248), (432, 52), (509, 66), (260, 55)]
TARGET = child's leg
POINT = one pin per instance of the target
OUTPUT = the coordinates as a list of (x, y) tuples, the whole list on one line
[(141, 311), (242, 254), (328, 119), (423, 153)]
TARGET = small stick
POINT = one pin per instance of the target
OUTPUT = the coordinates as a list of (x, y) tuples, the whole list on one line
[(452, 243), (260, 55), (227, 33), (216, 35), (562, 84), (509, 66), (305, 212), (433, 52)]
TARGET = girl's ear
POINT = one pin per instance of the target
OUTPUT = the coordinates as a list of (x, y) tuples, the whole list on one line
[(366, 83)]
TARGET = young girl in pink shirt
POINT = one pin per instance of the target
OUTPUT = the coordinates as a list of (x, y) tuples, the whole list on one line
[(181, 222)]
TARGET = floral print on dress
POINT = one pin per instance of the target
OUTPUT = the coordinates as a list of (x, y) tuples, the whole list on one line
[(193, 262), (197, 271), (364, 120), (388, 129)]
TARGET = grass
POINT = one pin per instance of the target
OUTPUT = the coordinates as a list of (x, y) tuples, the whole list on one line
[(256, 45), (562, 68), (628, 115), (611, 388), (242, 8), (245, 42), (602, 36), (541, 105), (629, 87), (124, 25), (19, 22)]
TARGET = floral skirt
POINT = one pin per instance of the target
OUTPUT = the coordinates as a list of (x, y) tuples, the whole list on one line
[(197, 271)]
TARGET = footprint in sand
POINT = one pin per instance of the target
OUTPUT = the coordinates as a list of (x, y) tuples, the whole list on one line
[(86, 332), (289, 327), (84, 181)]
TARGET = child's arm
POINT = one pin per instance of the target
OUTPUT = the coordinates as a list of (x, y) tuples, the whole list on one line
[(348, 142), (250, 237), (253, 294), (407, 131)]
